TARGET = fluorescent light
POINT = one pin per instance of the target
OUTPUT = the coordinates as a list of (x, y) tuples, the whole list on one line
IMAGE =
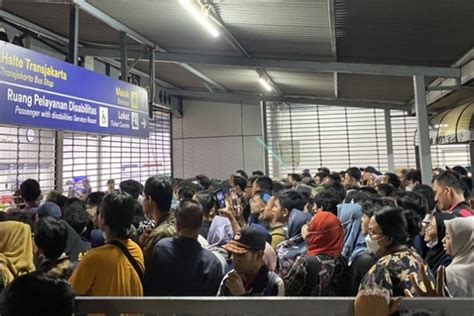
[(200, 17), (265, 84)]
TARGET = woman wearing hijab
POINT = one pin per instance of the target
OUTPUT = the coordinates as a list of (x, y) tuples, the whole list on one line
[(295, 246), (350, 215), (459, 244), (312, 275), (16, 251), (434, 234)]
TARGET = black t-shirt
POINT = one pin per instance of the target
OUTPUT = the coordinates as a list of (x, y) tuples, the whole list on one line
[(181, 267), (359, 268)]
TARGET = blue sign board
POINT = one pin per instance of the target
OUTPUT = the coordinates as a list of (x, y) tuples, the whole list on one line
[(41, 91)]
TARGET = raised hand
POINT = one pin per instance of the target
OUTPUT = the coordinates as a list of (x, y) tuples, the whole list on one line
[(375, 302), (429, 290), (235, 284)]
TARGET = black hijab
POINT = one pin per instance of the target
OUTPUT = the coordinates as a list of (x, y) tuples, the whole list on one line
[(437, 256)]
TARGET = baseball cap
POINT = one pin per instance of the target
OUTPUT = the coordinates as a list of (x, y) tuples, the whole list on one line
[(49, 209), (246, 239)]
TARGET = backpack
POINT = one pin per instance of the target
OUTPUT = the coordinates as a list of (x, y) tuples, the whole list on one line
[(327, 276)]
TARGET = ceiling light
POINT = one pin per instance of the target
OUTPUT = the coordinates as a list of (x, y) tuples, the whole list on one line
[(265, 84), (200, 17)]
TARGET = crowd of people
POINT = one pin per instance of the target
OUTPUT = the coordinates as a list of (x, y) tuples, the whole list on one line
[(356, 232)]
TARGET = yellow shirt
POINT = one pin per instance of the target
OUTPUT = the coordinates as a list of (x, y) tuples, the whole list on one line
[(106, 271)]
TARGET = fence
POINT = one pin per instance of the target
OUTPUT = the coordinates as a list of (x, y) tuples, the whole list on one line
[(327, 306)]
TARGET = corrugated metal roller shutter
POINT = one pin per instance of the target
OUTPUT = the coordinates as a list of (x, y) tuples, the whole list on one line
[(311, 136), (100, 158), (450, 155), (25, 153), (80, 159), (403, 133)]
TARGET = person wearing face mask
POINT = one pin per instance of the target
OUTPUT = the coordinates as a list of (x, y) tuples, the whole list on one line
[(412, 180), (435, 232), (386, 239), (363, 260), (320, 272)]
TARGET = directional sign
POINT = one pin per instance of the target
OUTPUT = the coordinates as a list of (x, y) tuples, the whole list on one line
[(40, 91)]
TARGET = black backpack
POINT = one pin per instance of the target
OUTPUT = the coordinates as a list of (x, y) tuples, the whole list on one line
[(327, 276)]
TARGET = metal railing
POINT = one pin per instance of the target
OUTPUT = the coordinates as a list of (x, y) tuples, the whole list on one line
[(327, 306)]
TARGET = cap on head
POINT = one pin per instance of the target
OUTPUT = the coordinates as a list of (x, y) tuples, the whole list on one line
[(246, 239), (49, 209)]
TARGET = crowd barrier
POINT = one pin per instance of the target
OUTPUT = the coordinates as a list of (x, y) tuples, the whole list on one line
[(216, 306)]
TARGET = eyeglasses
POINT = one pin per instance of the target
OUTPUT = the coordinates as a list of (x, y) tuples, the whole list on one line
[(430, 227), (374, 234)]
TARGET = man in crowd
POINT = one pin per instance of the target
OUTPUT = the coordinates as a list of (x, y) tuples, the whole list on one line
[(116, 268), (157, 203), (449, 194), (250, 276), (30, 193), (207, 202), (132, 187), (285, 202), (110, 186), (352, 178), (262, 183), (75, 246), (36, 294), (50, 240), (326, 201), (412, 180), (392, 179), (76, 215), (180, 266)]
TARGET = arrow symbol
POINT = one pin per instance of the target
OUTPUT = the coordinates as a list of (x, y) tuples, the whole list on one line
[(144, 123)]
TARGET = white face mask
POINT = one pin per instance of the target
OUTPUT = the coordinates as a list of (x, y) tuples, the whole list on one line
[(431, 244), (372, 244), (409, 188)]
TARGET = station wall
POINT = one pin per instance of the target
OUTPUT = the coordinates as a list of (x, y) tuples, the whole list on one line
[(216, 139)]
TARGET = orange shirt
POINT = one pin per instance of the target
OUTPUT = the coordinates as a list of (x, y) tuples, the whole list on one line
[(106, 271)]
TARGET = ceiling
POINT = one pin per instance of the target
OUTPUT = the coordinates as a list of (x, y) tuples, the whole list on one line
[(402, 32)]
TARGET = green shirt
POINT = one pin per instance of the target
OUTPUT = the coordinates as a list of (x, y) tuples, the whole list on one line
[(166, 228), (278, 235)]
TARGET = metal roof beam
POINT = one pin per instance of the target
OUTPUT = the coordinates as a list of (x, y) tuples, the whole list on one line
[(64, 40), (316, 66), (202, 76), (117, 65), (332, 34), (102, 16), (33, 27), (256, 98), (286, 64)]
